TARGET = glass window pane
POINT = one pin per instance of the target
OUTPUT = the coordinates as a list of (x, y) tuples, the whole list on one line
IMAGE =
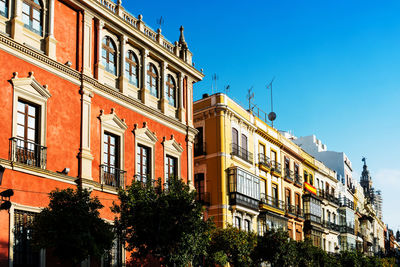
[(31, 111), (31, 122), (36, 25), (25, 19), (31, 134), (25, 8), (36, 14), (112, 150), (105, 148), (20, 118), (20, 131)]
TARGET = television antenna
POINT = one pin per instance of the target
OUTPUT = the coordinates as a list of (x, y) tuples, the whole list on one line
[(272, 114), (250, 96), (160, 22), (214, 83), (227, 88)]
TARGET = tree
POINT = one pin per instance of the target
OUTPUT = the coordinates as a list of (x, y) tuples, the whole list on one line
[(231, 245), (276, 248), (71, 227), (165, 223), (398, 236)]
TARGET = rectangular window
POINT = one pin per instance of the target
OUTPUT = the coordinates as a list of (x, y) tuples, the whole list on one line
[(24, 255), (244, 142), (199, 185), (31, 16), (261, 149), (238, 222), (111, 173), (235, 137), (170, 167), (247, 225), (199, 145), (305, 177), (287, 197), (273, 155), (296, 168), (143, 163)]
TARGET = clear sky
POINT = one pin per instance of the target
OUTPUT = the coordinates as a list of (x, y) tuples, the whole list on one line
[(336, 66)]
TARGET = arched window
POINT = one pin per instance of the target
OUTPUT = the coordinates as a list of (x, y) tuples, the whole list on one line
[(4, 8), (170, 90), (152, 80), (131, 68), (109, 55), (32, 16)]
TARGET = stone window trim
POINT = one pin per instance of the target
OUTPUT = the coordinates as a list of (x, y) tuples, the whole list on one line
[(132, 67), (174, 149), (20, 207), (145, 137), (30, 90), (111, 123)]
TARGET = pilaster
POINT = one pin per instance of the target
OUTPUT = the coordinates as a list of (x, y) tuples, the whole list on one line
[(87, 43), (123, 82), (163, 100), (51, 42), (100, 67), (180, 89), (16, 23), (144, 91), (190, 162), (85, 155)]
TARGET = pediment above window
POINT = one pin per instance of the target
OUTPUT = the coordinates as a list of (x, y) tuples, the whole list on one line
[(144, 134), (172, 145), (30, 86), (112, 121)]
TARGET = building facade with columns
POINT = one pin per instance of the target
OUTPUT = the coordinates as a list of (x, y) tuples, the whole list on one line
[(91, 96)]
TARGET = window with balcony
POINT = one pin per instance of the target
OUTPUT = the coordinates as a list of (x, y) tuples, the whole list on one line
[(240, 151), (131, 68), (27, 144), (24, 253), (143, 162), (109, 55), (306, 177), (247, 225), (152, 79), (244, 142), (4, 8), (244, 188), (32, 16), (112, 174), (238, 222), (199, 185), (312, 208), (287, 196), (170, 90), (311, 179), (297, 200), (235, 137)]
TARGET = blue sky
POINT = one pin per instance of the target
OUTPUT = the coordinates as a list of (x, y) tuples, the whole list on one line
[(336, 66)]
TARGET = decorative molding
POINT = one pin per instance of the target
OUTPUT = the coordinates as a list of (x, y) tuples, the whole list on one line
[(172, 144), (113, 121), (30, 86)]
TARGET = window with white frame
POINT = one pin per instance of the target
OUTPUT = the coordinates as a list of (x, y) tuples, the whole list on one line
[(170, 167), (131, 68), (170, 90), (32, 15), (247, 225), (109, 55), (143, 162), (152, 79)]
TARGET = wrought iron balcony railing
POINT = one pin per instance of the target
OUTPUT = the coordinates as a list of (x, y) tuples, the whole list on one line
[(299, 212), (200, 149), (288, 175), (203, 198), (242, 153), (264, 160), (272, 202), (291, 209), (298, 179), (312, 218), (112, 176), (27, 152), (276, 166), (346, 229), (330, 197)]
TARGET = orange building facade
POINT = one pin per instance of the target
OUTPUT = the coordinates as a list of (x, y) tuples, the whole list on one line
[(90, 96)]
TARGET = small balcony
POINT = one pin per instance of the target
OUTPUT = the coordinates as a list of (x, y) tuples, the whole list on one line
[(272, 202), (27, 152), (242, 153), (312, 218), (299, 212), (290, 210), (288, 175), (346, 229), (204, 198), (276, 167), (112, 176), (298, 180), (200, 149), (264, 162)]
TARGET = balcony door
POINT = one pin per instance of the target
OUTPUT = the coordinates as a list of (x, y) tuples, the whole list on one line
[(27, 133), (111, 159)]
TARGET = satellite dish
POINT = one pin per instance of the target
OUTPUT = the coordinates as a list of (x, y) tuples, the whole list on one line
[(272, 116)]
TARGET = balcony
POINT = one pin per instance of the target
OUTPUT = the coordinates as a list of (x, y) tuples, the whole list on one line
[(329, 197), (298, 180), (276, 167), (200, 149), (346, 229), (244, 188), (264, 162), (112, 176), (291, 210), (272, 202), (312, 218), (299, 212), (27, 152), (345, 202), (288, 175), (242, 153), (204, 198)]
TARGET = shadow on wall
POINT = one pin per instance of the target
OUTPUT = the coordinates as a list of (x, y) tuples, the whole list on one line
[(3, 253)]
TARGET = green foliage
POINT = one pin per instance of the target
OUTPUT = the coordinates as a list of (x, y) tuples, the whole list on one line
[(71, 226), (231, 245), (163, 223)]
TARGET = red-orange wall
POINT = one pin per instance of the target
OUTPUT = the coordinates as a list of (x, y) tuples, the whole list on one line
[(66, 33)]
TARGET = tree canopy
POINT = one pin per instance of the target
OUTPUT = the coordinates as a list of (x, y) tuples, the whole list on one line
[(163, 222), (71, 227)]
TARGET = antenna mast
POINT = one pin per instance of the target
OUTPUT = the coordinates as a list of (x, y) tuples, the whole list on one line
[(160, 22), (250, 96), (214, 78), (272, 114)]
